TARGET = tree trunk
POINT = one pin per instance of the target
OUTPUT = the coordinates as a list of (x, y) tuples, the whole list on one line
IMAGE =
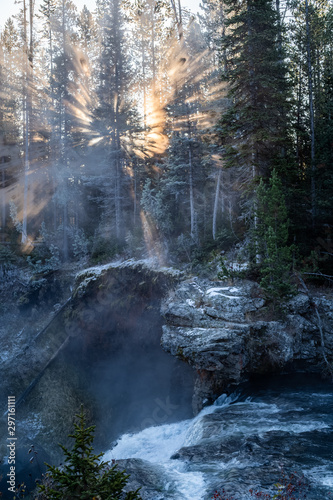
[(153, 44), (116, 145), (193, 217), (299, 103), (26, 128), (117, 196), (178, 17), (3, 192), (216, 202), (143, 62), (134, 195), (64, 135)]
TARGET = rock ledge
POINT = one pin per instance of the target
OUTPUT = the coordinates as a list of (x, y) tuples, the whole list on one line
[(220, 330)]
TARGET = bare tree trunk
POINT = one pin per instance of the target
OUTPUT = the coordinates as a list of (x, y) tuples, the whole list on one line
[(178, 17), (117, 196), (26, 136), (192, 209), (26, 126), (153, 44), (135, 196), (216, 201), (64, 133), (118, 163), (255, 210), (31, 44), (143, 62), (52, 141), (299, 97), (3, 192), (224, 52)]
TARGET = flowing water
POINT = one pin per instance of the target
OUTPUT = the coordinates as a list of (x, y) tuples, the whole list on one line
[(251, 439)]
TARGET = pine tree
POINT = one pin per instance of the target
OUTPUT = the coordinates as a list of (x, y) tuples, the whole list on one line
[(114, 115), (84, 476), (66, 118), (324, 126), (10, 121), (270, 239), (183, 180), (254, 129), (311, 59)]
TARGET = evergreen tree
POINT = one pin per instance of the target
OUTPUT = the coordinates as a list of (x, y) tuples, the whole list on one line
[(114, 116), (66, 117), (311, 59), (183, 181), (270, 239), (254, 129), (150, 31), (324, 126), (84, 476), (8, 139), (212, 19)]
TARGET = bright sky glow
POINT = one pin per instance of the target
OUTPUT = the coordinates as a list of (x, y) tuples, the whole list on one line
[(10, 7)]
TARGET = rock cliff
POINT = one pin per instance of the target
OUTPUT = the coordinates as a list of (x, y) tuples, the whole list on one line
[(102, 348), (227, 334)]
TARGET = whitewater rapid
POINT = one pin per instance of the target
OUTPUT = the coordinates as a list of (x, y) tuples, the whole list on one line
[(241, 441), (158, 444)]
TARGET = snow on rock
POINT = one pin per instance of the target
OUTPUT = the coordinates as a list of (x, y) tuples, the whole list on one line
[(217, 289), (85, 278), (190, 302), (219, 330)]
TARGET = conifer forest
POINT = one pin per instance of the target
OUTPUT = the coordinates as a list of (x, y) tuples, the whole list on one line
[(140, 129), (166, 249)]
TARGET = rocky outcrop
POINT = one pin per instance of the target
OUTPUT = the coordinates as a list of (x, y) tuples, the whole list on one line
[(227, 334), (100, 348), (150, 478)]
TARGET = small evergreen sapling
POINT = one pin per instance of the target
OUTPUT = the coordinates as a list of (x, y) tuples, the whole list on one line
[(84, 476)]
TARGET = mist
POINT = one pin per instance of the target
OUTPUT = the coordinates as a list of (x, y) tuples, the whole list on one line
[(92, 107)]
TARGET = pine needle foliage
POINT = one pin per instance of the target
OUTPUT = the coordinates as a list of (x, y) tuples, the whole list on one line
[(254, 131), (85, 476), (270, 239)]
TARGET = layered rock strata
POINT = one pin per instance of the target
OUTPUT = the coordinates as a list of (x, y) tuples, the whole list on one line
[(225, 333)]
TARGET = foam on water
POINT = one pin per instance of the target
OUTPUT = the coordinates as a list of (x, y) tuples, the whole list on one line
[(247, 417), (322, 475), (155, 444), (158, 444)]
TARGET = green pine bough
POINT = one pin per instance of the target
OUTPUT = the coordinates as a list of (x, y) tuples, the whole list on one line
[(84, 476), (269, 238)]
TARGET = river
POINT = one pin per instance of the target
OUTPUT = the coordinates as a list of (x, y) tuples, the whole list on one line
[(262, 434)]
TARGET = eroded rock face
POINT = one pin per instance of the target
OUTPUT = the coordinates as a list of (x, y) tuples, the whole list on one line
[(102, 349), (222, 331)]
